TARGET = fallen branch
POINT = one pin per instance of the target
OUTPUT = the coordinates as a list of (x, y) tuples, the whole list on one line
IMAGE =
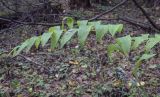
[(146, 15), (118, 5), (136, 23), (30, 60), (29, 23)]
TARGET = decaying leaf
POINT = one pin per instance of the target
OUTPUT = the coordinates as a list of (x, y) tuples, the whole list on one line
[(73, 62)]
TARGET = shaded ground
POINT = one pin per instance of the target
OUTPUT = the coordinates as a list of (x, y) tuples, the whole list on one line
[(71, 72)]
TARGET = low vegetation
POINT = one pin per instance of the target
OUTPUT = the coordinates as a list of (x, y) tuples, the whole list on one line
[(121, 47)]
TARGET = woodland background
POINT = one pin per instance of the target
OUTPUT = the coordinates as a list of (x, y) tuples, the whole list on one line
[(42, 73)]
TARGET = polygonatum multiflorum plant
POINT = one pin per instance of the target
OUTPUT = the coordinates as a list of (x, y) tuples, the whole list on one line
[(127, 43), (60, 35)]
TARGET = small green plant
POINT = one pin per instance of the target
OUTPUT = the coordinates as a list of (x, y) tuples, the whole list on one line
[(113, 29), (139, 62), (139, 40), (152, 42), (83, 31), (127, 44), (56, 33), (60, 35), (122, 45), (70, 22), (67, 36)]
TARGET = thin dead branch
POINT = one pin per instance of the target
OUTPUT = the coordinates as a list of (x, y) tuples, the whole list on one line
[(29, 23), (146, 15), (106, 12)]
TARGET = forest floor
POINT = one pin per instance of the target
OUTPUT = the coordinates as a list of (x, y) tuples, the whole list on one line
[(71, 72)]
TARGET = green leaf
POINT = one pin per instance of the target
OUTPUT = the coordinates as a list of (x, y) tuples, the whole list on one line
[(14, 51), (57, 32), (70, 22), (125, 44), (138, 63), (67, 36), (111, 48), (83, 32), (145, 36), (151, 43), (37, 42), (94, 23), (101, 30), (113, 29), (45, 37), (51, 29), (146, 56), (83, 22), (30, 43), (139, 40), (157, 36), (120, 27), (21, 47)]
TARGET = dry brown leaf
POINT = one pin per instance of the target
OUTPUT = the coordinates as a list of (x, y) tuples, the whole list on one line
[(72, 83), (74, 62)]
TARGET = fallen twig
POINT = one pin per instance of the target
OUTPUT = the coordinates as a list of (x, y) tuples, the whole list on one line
[(135, 23), (146, 15), (29, 23), (30, 60), (118, 5)]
